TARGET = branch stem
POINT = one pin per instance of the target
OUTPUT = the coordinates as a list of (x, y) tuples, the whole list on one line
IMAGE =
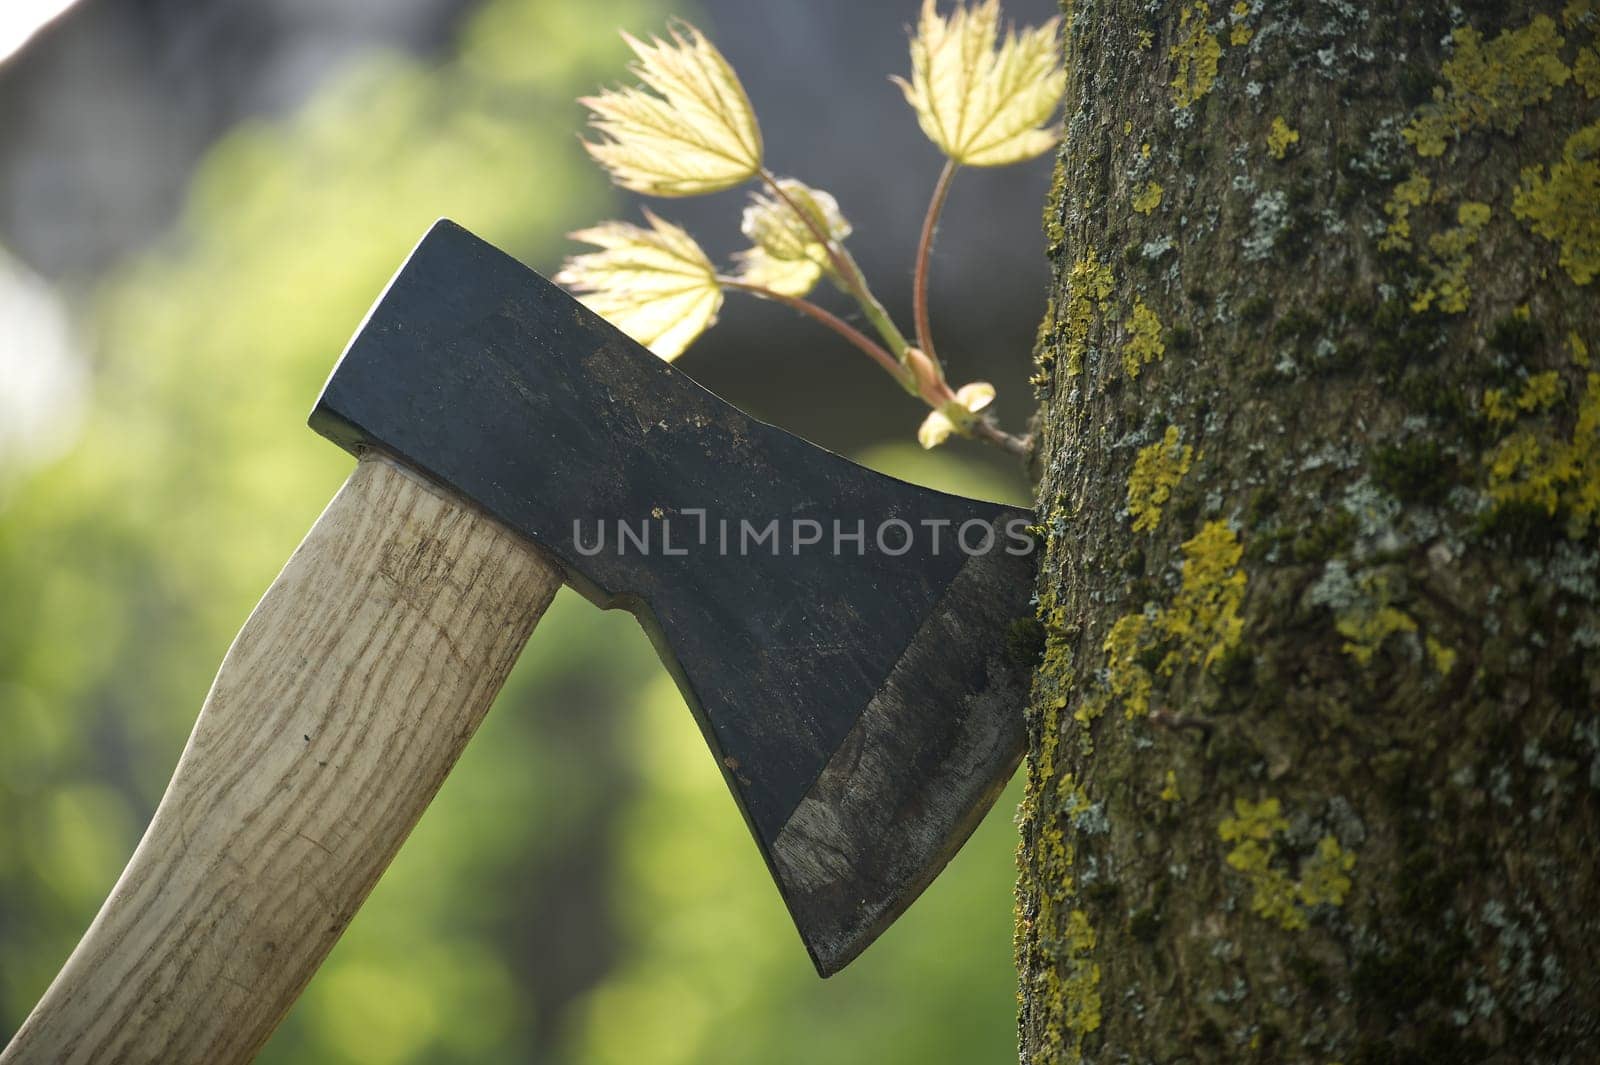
[(879, 354), (919, 284), (917, 370), (848, 272), (986, 430), (979, 429)]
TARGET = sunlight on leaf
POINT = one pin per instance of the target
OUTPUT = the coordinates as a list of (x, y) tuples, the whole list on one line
[(935, 429), (695, 133), (787, 277), (655, 284), (984, 102), (773, 224), (787, 256), (976, 396), (938, 425)]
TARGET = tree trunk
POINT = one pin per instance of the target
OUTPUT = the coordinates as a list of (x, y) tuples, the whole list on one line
[(1314, 764)]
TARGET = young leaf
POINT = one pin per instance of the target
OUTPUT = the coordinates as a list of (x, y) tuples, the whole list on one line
[(655, 284), (694, 133), (984, 102), (787, 233), (787, 256), (787, 277), (939, 424)]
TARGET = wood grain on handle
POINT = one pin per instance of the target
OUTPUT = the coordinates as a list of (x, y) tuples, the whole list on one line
[(340, 707)]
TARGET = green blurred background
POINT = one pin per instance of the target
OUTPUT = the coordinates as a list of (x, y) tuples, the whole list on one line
[(583, 889)]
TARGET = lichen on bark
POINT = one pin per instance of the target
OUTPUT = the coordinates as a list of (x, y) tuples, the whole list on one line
[(1333, 552)]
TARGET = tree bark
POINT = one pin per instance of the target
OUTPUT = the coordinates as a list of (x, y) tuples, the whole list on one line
[(1314, 756)]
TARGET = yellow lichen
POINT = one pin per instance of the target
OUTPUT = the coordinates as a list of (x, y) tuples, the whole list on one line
[(1252, 831), (1579, 349), (1147, 197), (1203, 621), (1055, 941), (1564, 206), (1054, 672), (1371, 619), (1365, 630), (1450, 256), (1197, 52), (1442, 656), (1280, 137), (1057, 854), (1586, 68), (1079, 992), (1536, 468), (1088, 285), (1127, 681), (1520, 471), (1539, 392), (1497, 408), (1258, 821), (1169, 790), (1066, 986), (1050, 741), (1324, 878), (1324, 874), (1196, 628), (1055, 230), (1050, 733), (1157, 469), (1410, 193), (1146, 39), (1490, 84), (1542, 390), (1144, 344), (1241, 34)]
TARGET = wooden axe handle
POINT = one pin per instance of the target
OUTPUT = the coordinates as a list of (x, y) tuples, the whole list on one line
[(340, 707)]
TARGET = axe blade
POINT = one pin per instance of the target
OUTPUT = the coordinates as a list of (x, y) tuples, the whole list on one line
[(840, 636)]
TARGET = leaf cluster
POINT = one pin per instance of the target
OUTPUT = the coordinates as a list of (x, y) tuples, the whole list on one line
[(687, 128)]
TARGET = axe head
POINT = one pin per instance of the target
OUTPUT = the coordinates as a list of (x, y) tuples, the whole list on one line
[(840, 636)]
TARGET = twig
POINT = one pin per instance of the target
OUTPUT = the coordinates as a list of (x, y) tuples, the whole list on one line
[(985, 429), (835, 254), (879, 354), (980, 429), (849, 273), (919, 284), (896, 363)]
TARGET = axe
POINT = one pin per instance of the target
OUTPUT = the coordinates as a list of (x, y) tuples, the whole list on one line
[(841, 637)]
